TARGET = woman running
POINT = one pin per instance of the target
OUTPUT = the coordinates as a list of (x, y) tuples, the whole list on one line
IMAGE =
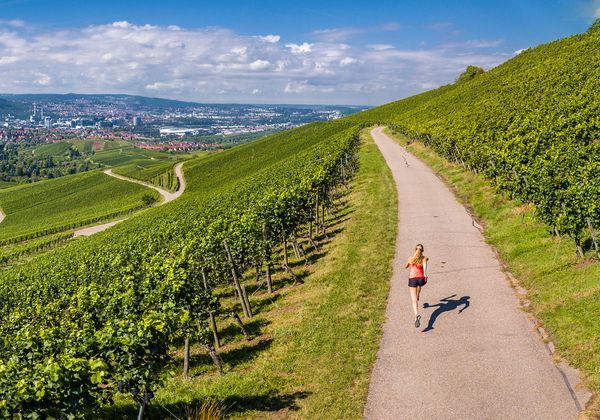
[(417, 278)]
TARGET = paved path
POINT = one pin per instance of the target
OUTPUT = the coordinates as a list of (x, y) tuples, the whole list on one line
[(474, 356), (166, 195), (2, 215)]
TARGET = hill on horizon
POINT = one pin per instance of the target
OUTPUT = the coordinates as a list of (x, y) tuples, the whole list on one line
[(142, 102)]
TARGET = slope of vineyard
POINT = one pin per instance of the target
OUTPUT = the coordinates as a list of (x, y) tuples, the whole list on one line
[(97, 317), (532, 125), (156, 172), (531, 128), (126, 154), (59, 204)]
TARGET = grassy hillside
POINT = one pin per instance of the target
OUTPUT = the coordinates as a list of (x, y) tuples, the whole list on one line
[(157, 172), (115, 156), (53, 149), (43, 208), (50, 206)]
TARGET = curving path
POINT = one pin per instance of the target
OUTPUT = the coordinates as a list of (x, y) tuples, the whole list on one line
[(166, 195), (2, 215), (475, 355)]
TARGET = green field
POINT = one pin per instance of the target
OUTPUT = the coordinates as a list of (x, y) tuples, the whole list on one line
[(66, 202), (87, 146), (4, 184), (53, 149), (127, 154), (51, 206), (144, 169), (145, 165), (264, 185)]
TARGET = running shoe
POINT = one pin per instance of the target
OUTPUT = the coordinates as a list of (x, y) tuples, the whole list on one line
[(418, 321)]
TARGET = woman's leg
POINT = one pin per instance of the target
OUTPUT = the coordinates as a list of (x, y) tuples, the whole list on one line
[(415, 299), (418, 294)]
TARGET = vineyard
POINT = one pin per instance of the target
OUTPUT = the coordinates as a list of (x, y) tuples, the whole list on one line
[(97, 317), (51, 206), (128, 154), (159, 173), (531, 125)]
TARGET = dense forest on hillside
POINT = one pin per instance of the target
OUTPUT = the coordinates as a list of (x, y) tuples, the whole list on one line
[(19, 163)]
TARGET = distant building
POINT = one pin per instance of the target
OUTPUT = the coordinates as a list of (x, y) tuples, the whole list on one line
[(47, 122), (180, 132), (137, 121)]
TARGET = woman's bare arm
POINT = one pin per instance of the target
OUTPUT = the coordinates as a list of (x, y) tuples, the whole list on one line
[(425, 266)]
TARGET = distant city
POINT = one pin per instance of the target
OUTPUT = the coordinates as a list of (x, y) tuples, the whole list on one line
[(151, 122)]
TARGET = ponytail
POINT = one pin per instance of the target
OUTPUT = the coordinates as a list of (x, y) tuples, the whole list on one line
[(417, 257)]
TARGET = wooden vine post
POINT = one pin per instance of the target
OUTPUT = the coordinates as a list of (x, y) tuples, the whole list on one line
[(236, 282), (211, 315), (186, 354), (267, 259), (594, 236)]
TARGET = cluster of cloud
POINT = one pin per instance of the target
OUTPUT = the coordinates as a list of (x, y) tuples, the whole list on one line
[(219, 65)]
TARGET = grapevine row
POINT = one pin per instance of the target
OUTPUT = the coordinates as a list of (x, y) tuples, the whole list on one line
[(89, 321)]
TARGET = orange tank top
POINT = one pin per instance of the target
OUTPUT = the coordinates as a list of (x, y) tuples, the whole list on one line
[(416, 271)]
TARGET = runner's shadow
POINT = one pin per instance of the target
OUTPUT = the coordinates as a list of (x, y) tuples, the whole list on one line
[(446, 304)]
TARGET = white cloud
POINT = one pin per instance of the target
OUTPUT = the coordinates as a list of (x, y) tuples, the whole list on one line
[(336, 34), (14, 23), (259, 65), (302, 86), (300, 48), (380, 47), (217, 64), (121, 24), (269, 38), (42, 79), (346, 61)]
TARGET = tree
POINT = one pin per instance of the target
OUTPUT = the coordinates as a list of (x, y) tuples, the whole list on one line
[(595, 26), (470, 73)]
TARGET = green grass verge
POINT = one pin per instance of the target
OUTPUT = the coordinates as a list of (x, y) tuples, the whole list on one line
[(564, 290), (314, 343)]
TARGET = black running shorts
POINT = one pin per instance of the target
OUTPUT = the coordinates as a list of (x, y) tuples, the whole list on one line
[(417, 281)]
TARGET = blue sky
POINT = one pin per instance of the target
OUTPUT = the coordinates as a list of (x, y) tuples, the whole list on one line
[(268, 51)]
